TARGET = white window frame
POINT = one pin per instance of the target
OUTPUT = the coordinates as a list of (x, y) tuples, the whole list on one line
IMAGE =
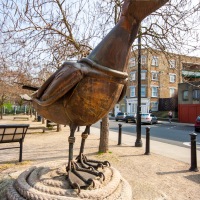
[(143, 74), (171, 94), (154, 74), (133, 76), (154, 61), (154, 93), (185, 96), (145, 92), (196, 94), (172, 63), (132, 91), (132, 62), (143, 59), (172, 78), (154, 106)]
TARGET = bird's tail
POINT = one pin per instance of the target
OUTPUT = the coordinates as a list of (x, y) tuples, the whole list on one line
[(28, 87), (139, 9)]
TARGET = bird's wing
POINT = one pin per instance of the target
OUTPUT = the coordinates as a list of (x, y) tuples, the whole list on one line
[(58, 84), (123, 92)]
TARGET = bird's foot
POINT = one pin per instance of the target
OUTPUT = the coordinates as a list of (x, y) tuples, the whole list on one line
[(91, 164), (81, 177)]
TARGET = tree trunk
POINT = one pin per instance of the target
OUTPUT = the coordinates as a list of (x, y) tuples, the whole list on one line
[(1, 112), (59, 128), (104, 135)]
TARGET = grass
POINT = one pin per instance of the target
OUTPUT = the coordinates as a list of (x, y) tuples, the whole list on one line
[(10, 165), (100, 153)]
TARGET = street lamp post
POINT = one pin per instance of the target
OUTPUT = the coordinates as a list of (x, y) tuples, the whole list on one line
[(138, 142)]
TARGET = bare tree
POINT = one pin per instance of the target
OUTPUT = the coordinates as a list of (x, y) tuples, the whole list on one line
[(104, 136), (40, 33), (9, 90), (48, 31), (2, 101)]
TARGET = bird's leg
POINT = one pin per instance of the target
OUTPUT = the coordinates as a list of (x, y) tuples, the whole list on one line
[(84, 137), (82, 159), (71, 141), (78, 176)]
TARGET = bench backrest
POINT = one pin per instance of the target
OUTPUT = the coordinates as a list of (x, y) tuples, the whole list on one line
[(13, 132)]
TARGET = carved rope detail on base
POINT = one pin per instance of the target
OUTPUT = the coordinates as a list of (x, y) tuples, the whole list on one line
[(42, 183)]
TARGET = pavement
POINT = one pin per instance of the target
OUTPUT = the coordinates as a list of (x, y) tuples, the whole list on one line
[(53, 146), (162, 148)]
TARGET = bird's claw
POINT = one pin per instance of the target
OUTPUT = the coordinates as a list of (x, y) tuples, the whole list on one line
[(76, 186), (82, 173), (82, 159)]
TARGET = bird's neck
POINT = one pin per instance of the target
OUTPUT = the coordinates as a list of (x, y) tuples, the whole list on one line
[(113, 50)]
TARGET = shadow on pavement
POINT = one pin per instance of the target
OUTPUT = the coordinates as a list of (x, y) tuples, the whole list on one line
[(195, 178)]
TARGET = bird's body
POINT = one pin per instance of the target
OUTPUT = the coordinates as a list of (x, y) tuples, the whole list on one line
[(79, 94)]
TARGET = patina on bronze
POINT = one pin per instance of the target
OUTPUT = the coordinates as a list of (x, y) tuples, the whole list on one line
[(79, 94)]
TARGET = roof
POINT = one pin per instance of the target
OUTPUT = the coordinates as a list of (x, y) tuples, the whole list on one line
[(191, 74)]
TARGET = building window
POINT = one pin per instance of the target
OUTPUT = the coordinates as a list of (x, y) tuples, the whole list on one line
[(154, 76), (132, 62), (132, 76), (132, 91), (143, 91), (185, 95), (143, 74), (143, 59), (154, 61), (172, 64), (154, 91), (172, 92), (154, 106), (172, 78), (196, 94)]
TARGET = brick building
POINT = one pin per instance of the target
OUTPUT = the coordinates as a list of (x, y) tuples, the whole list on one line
[(161, 73)]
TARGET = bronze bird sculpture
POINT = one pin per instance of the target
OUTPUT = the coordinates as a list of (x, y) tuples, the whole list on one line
[(80, 94)]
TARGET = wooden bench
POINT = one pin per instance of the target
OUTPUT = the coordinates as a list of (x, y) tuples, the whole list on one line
[(21, 118), (52, 124), (13, 133), (38, 127)]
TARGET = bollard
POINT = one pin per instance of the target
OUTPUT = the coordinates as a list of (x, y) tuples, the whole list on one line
[(120, 134), (193, 153), (43, 120), (47, 123), (147, 141)]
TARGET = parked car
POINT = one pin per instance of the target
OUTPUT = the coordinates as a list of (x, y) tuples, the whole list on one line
[(130, 117), (120, 116), (148, 118), (197, 124)]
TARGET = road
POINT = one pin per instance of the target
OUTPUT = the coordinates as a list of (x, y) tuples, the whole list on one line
[(171, 133)]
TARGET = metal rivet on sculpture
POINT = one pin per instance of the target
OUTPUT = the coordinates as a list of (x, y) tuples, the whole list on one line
[(80, 94)]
